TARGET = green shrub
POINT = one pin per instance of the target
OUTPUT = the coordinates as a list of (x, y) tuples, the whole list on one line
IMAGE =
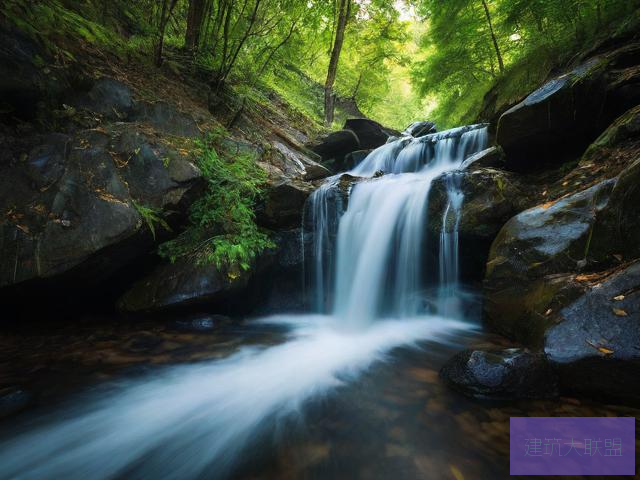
[(223, 230)]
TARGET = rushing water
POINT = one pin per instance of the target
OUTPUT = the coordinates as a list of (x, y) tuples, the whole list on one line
[(368, 264)]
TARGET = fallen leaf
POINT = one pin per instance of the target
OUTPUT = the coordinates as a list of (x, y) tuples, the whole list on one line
[(547, 205), (548, 312), (618, 257), (564, 184), (456, 472), (605, 350), (619, 312), (619, 298)]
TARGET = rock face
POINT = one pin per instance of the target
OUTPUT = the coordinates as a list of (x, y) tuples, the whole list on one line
[(595, 343), (73, 199), (531, 250), (501, 374), (370, 134), (564, 115), (183, 284), (274, 283), (357, 134), (554, 117), (337, 144), (283, 204), (492, 157), (491, 198), (420, 129)]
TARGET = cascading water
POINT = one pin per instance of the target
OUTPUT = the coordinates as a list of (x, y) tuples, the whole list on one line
[(194, 421), (380, 239)]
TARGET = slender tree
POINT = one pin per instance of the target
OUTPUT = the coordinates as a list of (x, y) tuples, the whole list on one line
[(493, 36), (165, 15), (344, 11)]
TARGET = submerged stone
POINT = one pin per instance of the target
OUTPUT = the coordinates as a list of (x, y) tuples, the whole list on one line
[(501, 374)]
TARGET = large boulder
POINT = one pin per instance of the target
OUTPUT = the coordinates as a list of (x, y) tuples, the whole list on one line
[(490, 197), (559, 279), (336, 145), (94, 198), (283, 204), (187, 283), (272, 284), (501, 374), (420, 129), (370, 133), (561, 118), (530, 252), (594, 339)]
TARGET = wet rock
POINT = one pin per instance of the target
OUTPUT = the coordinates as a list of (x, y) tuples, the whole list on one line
[(299, 163), (337, 144), (370, 133), (184, 284), (74, 202), (555, 120), (492, 157), (562, 117), (490, 198), (595, 341), (354, 158), (165, 118), (200, 323), (501, 374), (13, 400), (283, 204), (420, 129), (27, 87), (279, 287), (108, 97)]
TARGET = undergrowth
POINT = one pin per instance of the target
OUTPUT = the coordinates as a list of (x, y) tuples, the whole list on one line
[(223, 230)]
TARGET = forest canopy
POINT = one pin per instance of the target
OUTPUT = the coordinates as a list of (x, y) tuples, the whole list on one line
[(395, 62)]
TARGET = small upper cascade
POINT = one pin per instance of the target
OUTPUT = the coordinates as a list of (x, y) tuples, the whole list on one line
[(369, 258), (409, 154)]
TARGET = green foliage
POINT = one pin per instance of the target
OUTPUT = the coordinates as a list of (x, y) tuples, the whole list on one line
[(151, 217), (460, 63), (223, 229)]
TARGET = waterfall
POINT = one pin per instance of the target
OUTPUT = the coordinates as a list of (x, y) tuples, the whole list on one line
[(378, 254)]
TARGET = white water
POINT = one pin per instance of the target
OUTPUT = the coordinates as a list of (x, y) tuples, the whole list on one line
[(196, 420)]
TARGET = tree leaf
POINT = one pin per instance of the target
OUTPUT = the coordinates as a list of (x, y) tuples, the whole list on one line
[(620, 312)]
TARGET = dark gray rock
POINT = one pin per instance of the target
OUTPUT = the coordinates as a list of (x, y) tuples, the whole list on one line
[(13, 400), (596, 344), (370, 133), (283, 204), (186, 284), (420, 129), (530, 249), (501, 374), (75, 202), (492, 157), (204, 323), (165, 118), (491, 198), (337, 144), (108, 97), (556, 120)]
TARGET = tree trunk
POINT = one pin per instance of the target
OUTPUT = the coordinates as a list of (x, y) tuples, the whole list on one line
[(165, 14), (329, 98), (493, 36), (195, 18)]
